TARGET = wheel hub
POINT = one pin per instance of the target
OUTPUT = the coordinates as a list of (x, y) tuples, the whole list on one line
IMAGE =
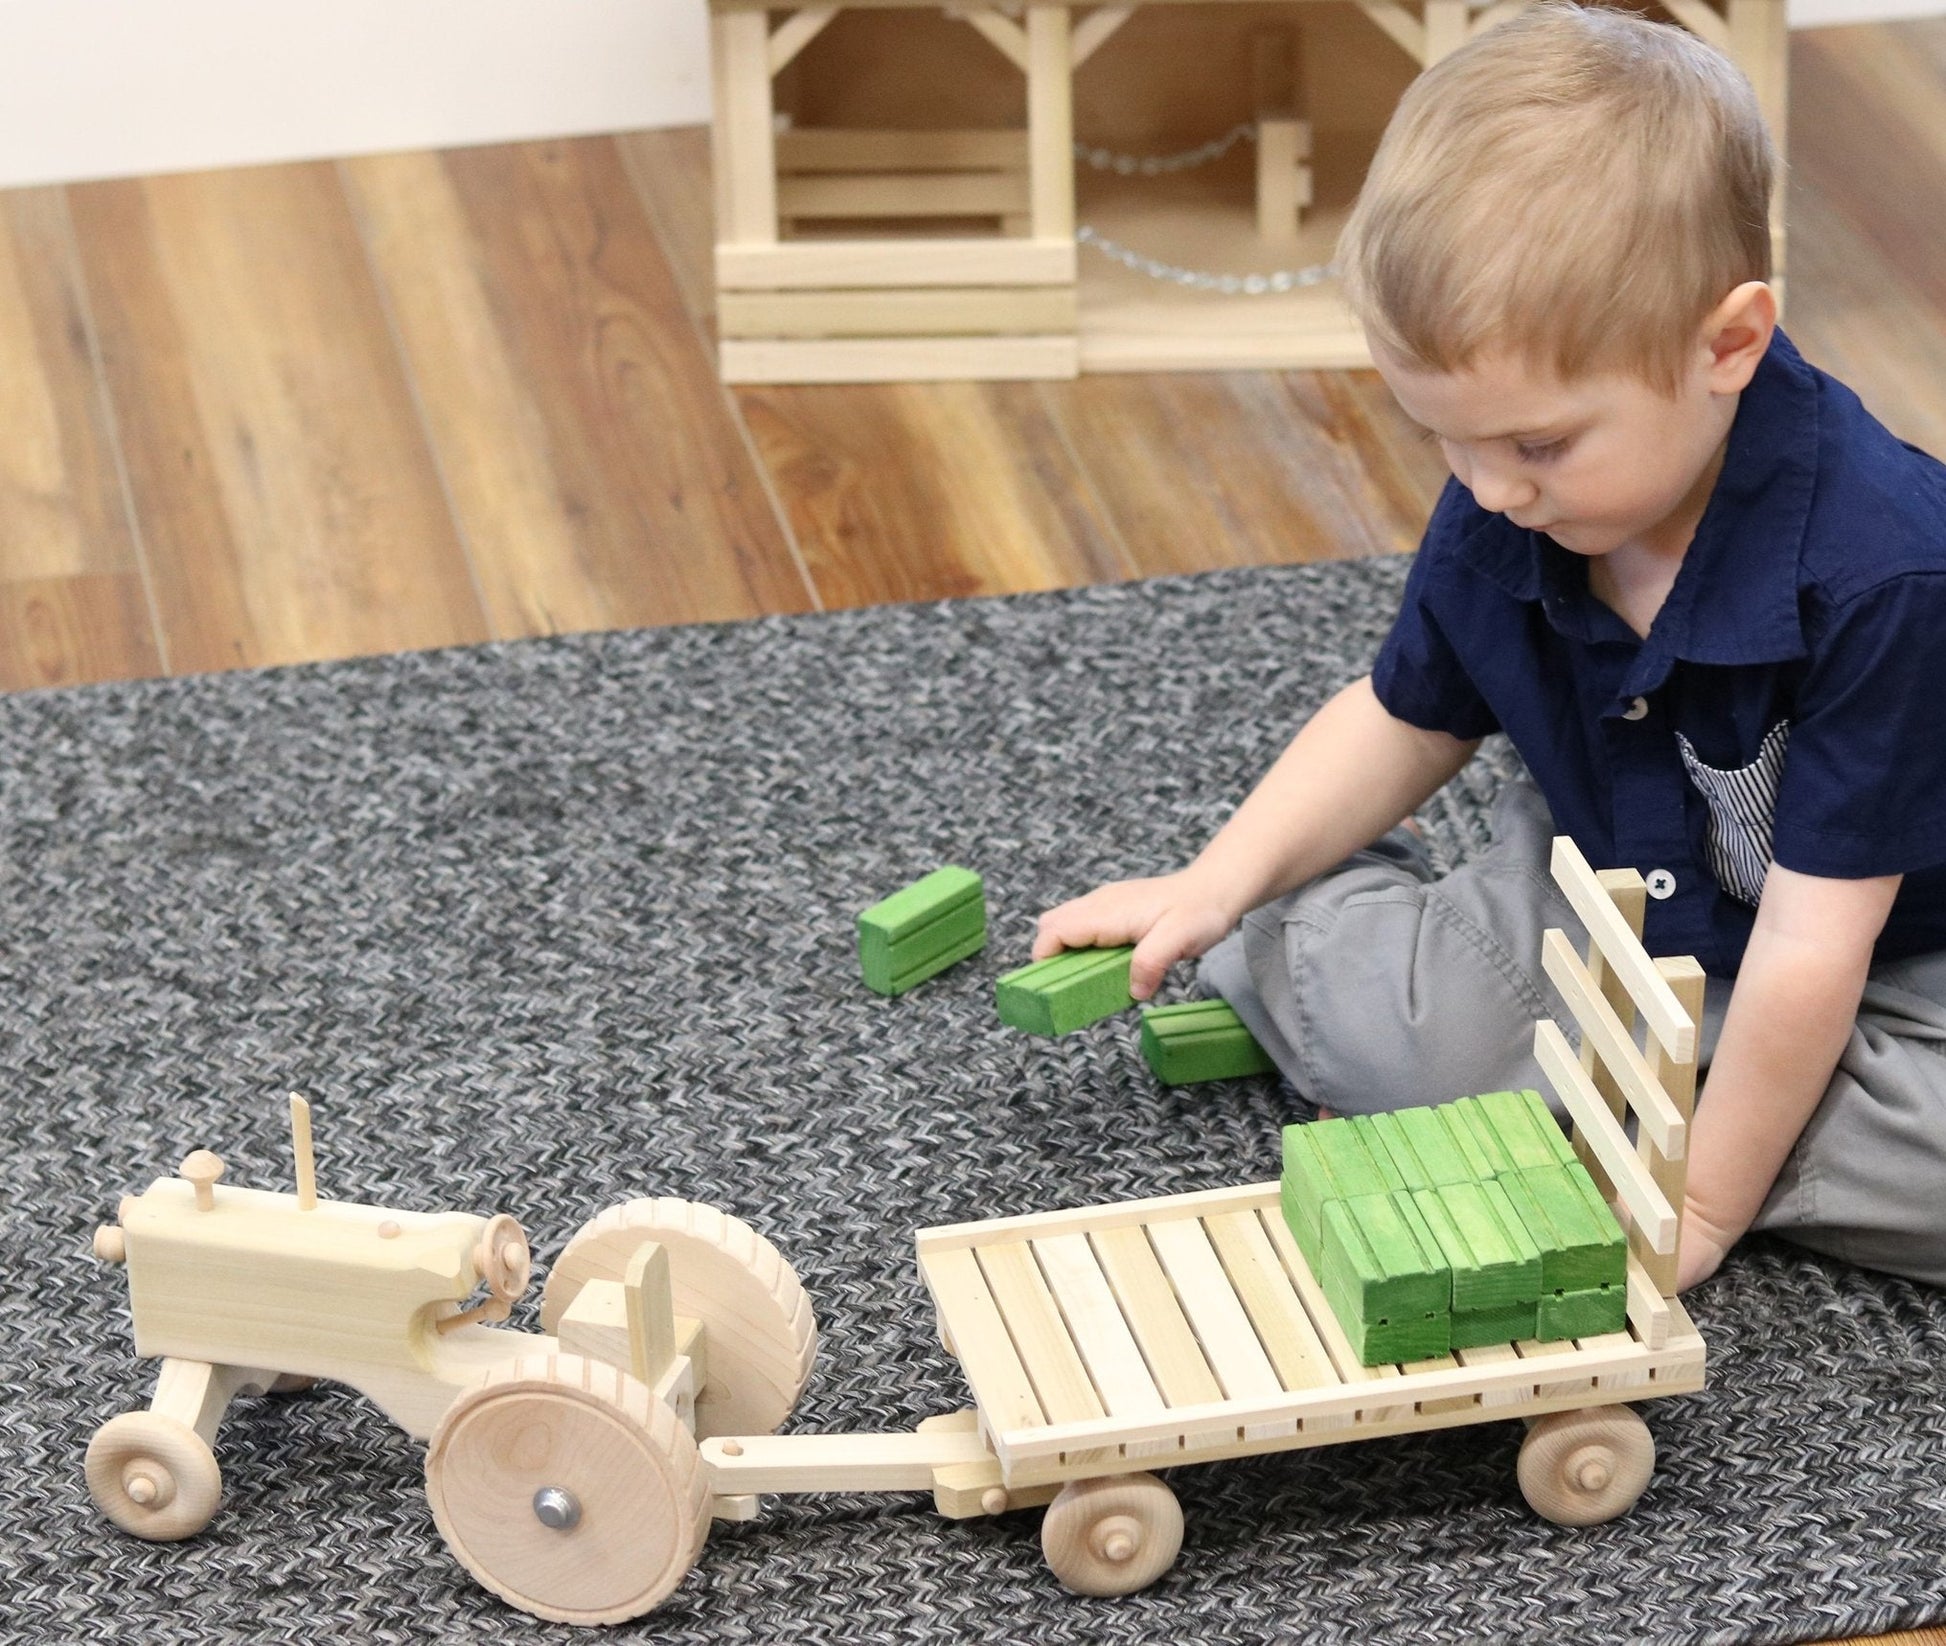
[(1591, 1468), (1116, 1538), (147, 1483)]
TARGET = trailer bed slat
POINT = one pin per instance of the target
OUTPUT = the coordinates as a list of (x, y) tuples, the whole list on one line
[(1296, 1351), (1154, 1315), (964, 1304), (1101, 1333), (1040, 1336)]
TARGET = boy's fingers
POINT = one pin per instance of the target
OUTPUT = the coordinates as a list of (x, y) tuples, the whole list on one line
[(1053, 932), (1148, 966)]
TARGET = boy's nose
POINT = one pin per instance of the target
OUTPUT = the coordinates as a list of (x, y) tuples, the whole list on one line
[(1497, 492)]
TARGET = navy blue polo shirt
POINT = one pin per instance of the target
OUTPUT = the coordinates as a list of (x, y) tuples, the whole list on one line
[(1787, 705)]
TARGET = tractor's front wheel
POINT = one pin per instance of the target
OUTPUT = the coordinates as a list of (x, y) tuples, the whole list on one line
[(153, 1476), (568, 1489)]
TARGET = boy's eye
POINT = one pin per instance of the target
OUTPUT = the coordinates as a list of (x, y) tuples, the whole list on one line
[(1539, 454)]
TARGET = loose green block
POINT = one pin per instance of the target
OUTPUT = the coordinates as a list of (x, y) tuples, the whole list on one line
[(1324, 1161), (1200, 1040), (1527, 1131), (1591, 1313), (1421, 1144), (1066, 991), (1385, 1280), (1581, 1244), (917, 933)]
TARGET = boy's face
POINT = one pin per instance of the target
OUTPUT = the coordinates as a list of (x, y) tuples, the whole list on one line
[(1598, 464)]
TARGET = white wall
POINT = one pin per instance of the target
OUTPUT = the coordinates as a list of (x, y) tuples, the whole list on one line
[(100, 88), (97, 88), (1807, 13)]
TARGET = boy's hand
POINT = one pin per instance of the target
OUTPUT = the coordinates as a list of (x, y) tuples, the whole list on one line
[(1168, 918), (1703, 1247)]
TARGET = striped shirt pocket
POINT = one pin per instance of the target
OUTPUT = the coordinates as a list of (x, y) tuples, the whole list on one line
[(1743, 810)]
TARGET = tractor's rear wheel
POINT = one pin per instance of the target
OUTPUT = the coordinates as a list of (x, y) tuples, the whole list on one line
[(760, 1337), (568, 1489)]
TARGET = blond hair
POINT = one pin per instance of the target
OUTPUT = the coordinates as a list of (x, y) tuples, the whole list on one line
[(1577, 187)]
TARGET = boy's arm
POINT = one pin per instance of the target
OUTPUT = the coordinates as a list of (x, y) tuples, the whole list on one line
[(1351, 773), (1791, 1012)]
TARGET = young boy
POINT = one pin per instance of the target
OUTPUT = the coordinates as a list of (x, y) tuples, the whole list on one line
[(1701, 590)]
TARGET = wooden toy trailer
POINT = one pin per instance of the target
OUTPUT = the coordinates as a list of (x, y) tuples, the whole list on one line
[(575, 1472), (1106, 1342), (897, 195)]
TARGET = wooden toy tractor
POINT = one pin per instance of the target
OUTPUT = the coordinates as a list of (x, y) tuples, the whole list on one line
[(563, 1470)]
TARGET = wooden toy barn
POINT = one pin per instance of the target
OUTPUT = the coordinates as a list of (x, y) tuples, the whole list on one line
[(1036, 188)]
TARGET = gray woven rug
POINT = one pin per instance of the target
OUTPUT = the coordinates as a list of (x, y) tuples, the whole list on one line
[(547, 925)]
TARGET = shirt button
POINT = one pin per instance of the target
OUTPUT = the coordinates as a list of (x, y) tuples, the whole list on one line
[(1660, 883), (1636, 709)]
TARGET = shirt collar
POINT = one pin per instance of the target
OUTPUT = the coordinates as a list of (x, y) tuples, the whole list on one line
[(1734, 601)]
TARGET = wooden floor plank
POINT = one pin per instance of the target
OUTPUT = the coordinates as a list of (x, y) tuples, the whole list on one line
[(75, 630), (1866, 131), (1866, 289), (1199, 470), (287, 504), (926, 491), (61, 505), (72, 604), (671, 174), (594, 461)]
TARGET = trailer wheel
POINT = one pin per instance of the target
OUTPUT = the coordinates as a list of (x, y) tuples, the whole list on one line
[(1112, 1535), (568, 1489), (154, 1476), (761, 1336), (1583, 1467)]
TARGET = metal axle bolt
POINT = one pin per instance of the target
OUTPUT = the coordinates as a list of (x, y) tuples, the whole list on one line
[(557, 1509)]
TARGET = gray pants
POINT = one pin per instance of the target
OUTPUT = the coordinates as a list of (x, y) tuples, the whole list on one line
[(1379, 986)]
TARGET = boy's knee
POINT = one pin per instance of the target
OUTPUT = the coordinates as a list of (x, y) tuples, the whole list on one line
[(1392, 998)]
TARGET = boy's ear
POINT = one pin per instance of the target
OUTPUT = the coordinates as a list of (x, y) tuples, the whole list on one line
[(1736, 335)]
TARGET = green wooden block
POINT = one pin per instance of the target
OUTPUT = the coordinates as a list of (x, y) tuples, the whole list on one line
[(1365, 1128), (1508, 1323), (1527, 1131), (1581, 1244), (1590, 1313), (1421, 1144), (1478, 1144), (1200, 1040), (1385, 1280), (1324, 1161), (1066, 991), (1494, 1261), (917, 933)]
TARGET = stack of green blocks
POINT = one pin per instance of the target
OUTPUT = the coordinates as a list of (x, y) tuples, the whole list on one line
[(1200, 1040), (917, 933), (1066, 991), (1453, 1227)]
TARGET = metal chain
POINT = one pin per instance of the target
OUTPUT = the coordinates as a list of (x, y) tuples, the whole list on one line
[(1230, 285), (1154, 165)]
